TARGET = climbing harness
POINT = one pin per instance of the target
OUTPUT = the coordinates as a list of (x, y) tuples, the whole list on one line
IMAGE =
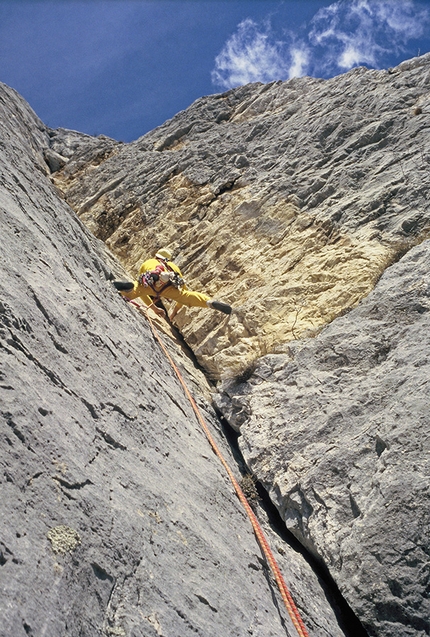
[(161, 278), (258, 531)]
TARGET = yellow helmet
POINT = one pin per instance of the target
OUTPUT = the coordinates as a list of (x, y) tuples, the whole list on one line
[(164, 253)]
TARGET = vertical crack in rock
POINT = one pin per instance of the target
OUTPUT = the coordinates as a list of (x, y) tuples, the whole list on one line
[(348, 620)]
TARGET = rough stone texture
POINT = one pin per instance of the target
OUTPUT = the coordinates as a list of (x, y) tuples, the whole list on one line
[(338, 431), (287, 199), (116, 517), (290, 200)]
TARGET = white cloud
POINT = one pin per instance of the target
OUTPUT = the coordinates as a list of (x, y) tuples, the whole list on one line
[(404, 18), (364, 31), (353, 55), (250, 55), (299, 61), (340, 36)]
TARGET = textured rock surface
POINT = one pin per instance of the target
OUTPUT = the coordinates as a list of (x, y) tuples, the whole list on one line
[(338, 431), (287, 199), (116, 517)]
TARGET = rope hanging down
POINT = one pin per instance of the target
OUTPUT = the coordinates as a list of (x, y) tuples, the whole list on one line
[(283, 589)]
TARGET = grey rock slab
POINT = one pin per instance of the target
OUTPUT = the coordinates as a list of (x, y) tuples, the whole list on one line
[(116, 517), (54, 160), (337, 429)]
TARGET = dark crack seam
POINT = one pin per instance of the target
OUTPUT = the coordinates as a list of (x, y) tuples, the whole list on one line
[(347, 620)]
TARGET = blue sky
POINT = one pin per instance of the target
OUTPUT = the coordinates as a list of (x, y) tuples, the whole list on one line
[(122, 67)]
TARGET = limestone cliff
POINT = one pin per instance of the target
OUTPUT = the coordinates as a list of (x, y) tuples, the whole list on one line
[(287, 199), (305, 205), (116, 517)]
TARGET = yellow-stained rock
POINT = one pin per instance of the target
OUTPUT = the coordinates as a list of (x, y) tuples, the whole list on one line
[(287, 200), (285, 274)]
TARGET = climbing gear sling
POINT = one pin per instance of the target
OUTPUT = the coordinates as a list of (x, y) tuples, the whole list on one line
[(161, 278)]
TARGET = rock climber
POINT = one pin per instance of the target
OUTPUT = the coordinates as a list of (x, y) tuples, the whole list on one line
[(160, 278)]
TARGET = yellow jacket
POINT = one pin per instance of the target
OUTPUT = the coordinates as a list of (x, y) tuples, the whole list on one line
[(182, 296)]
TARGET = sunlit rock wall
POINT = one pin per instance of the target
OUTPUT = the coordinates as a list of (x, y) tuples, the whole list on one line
[(287, 200)]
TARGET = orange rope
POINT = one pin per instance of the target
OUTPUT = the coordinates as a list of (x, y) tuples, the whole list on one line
[(283, 589)]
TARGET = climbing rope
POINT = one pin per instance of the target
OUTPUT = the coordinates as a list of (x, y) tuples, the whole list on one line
[(283, 589)]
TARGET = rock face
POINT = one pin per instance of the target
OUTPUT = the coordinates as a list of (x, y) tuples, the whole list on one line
[(344, 446), (287, 199), (292, 201), (116, 517)]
